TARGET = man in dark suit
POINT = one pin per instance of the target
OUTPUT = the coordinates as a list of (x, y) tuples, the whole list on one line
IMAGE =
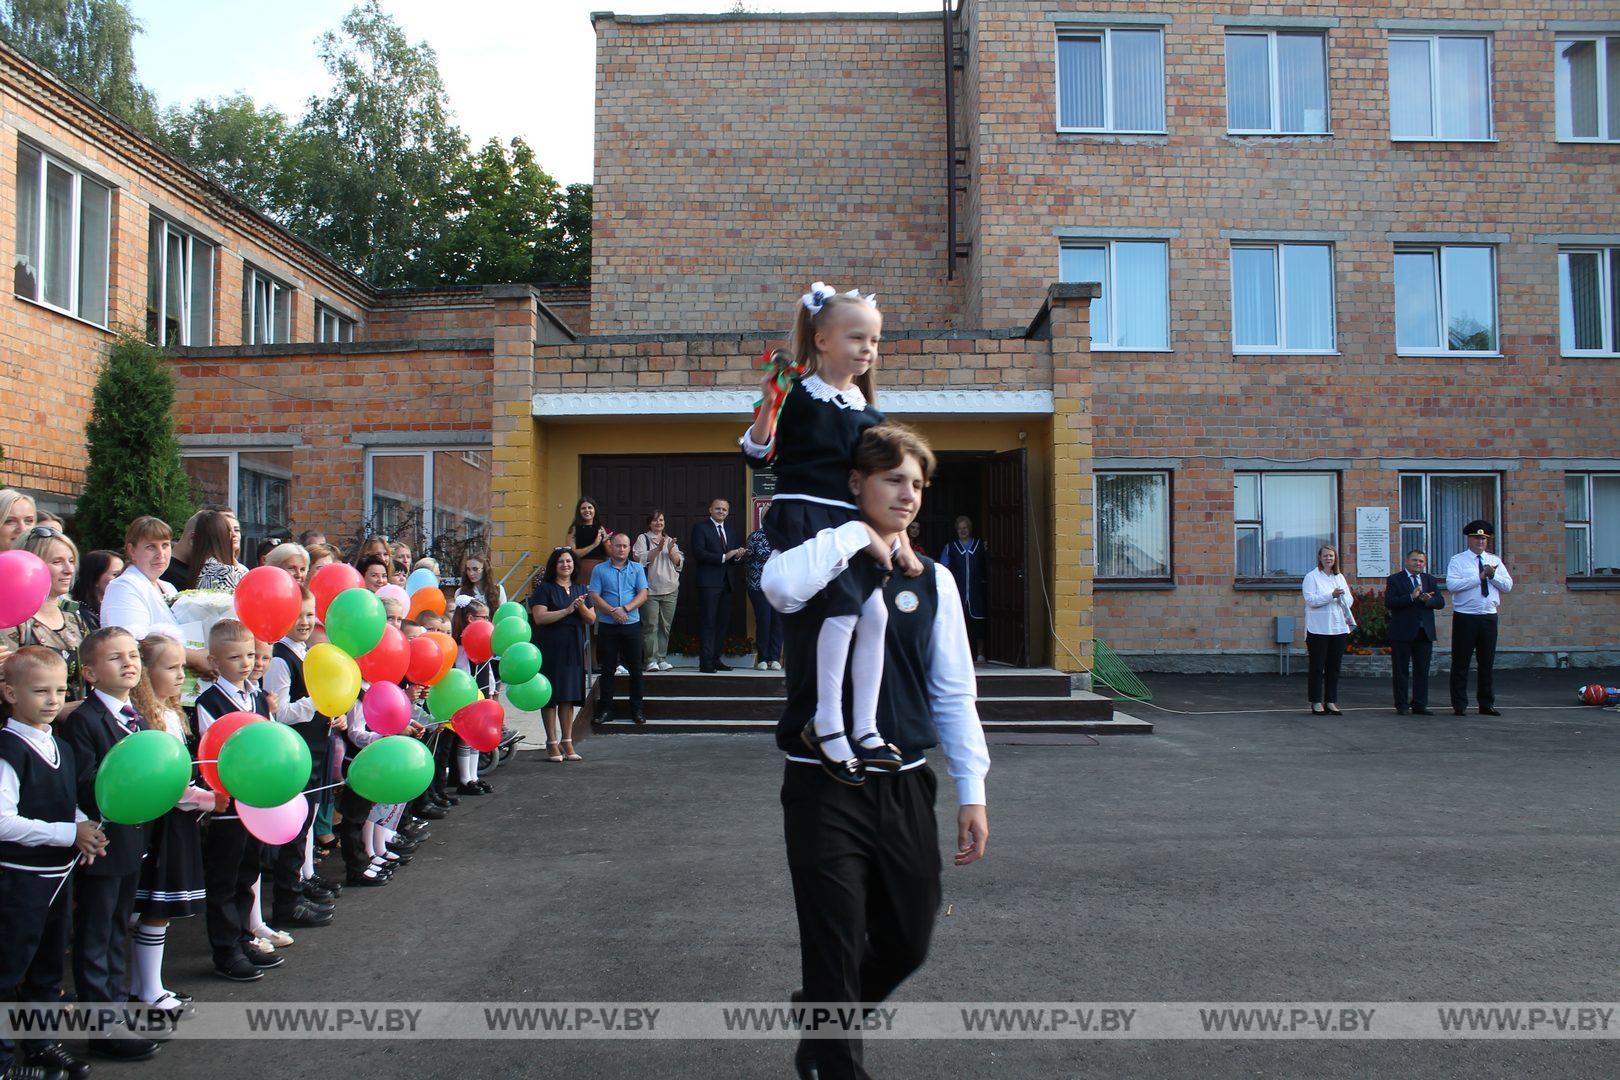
[(1412, 596), (716, 547)]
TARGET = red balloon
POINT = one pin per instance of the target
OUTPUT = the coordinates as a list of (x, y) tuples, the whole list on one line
[(447, 652), (208, 747), (475, 640), (479, 724), (389, 661), (330, 580), (267, 602), (426, 659)]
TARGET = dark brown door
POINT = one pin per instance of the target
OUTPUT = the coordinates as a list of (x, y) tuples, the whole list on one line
[(628, 487), (1006, 505)]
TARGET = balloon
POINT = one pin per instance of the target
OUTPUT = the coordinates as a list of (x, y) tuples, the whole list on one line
[(387, 708), (531, 695), (520, 663), (275, 825), (508, 632), (511, 610), (428, 599), (208, 747), (267, 602), (329, 581), (333, 679), (264, 765), (451, 694), (447, 651), (392, 770), (425, 662), (355, 621), (479, 725), (25, 582), (389, 661), (421, 578), (475, 640), (142, 777)]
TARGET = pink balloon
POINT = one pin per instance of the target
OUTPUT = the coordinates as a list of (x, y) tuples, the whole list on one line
[(387, 708), (275, 825), (25, 582)]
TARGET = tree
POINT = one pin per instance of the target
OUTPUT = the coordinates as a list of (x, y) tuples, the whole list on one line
[(88, 43), (134, 456), (237, 144), (499, 221), (570, 247)]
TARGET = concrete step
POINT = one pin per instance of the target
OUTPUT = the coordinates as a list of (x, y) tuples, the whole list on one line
[(1078, 706), (1119, 724), (993, 682)]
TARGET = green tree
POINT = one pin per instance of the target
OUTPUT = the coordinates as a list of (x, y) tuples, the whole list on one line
[(236, 143), (134, 466), (498, 225), (569, 251), (88, 43)]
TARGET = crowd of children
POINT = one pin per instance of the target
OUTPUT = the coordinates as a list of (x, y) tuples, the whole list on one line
[(103, 894)]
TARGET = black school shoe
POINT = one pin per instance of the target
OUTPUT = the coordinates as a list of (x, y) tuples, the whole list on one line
[(56, 1061), (883, 756), (434, 813), (262, 960), (847, 772), (238, 969), (469, 790), (306, 914), (364, 881), (122, 1044)]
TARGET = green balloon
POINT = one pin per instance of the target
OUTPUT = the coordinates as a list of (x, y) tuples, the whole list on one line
[(394, 769), (355, 621), (511, 610), (450, 694), (142, 777), (520, 663), (508, 632), (531, 695), (264, 764)]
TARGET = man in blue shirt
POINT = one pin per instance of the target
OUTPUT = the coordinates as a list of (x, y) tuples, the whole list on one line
[(618, 589)]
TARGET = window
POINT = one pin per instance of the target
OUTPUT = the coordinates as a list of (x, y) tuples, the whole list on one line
[(1110, 80), (1133, 311), (1445, 300), (331, 326), (1436, 506), (1133, 525), (1282, 519), (1589, 301), (1282, 298), (267, 313), (257, 484), (1439, 87), (1589, 89), (64, 221), (421, 495), (179, 286), (1592, 524), (1276, 83)]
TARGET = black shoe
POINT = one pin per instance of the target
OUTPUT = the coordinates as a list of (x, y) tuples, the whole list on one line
[(884, 756), (330, 886), (1486, 710), (55, 1060), (1459, 712), (483, 785), (1333, 710), (263, 960), (18, 1071), (637, 718), (1421, 712), (468, 790), (400, 859), (318, 896), (706, 670), (438, 799), (306, 914), (606, 717), (401, 846), (434, 813), (721, 666), (1401, 710), (416, 829), (365, 881), (238, 969), (124, 1045), (846, 772)]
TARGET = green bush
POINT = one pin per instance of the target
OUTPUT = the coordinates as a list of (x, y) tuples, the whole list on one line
[(1372, 620)]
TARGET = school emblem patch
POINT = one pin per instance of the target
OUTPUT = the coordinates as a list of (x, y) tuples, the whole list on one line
[(906, 602)]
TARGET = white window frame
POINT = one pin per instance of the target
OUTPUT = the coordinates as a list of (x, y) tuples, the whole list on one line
[(1275, 77), (1608, 284), (1434, 38), (1438, 568), (278, 289), (1584, 526), (1265, 575), (233, 474), (344, 323), (1110, 294), (1281, 299), (1443, 299), (1107, 35), (426, 453), (1563, 112), (191, 241), (1169, 528), (75, 242)]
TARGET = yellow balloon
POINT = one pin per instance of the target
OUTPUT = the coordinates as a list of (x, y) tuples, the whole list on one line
[(333, 679)]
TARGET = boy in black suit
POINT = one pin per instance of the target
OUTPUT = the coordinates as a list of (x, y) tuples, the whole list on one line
[(44, 833), (110, 661), (1412, 596)]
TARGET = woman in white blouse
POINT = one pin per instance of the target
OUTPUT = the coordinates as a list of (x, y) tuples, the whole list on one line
[(137, 599), (1328, 623)]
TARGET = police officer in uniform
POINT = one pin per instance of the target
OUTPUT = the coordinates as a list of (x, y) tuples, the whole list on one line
[(1476, 580)]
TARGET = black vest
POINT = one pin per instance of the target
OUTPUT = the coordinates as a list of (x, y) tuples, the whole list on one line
[(214, 700), (317, 732), (904, 715), (45, 794)]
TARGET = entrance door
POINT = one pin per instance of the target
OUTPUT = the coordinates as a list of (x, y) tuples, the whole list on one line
[(628, 487), (1006, 507)]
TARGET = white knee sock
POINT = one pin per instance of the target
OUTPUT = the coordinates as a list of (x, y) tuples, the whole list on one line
[(147, 983), (373, 843), (832, 654), (466, 764), (309, 855), (866, 667), (256, 916)]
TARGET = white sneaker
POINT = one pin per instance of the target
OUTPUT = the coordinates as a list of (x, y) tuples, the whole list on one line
[(776, 665), (762, 666), (621, 670), (664, 665), (651, 667)]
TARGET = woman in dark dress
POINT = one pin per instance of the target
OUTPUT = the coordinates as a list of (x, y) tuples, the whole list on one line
[(560, 610), (587, 539)]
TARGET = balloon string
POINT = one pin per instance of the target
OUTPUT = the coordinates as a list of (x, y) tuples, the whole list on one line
[(67, 871)]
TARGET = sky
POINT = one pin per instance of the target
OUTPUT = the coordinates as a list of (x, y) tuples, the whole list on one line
[(511, 67)]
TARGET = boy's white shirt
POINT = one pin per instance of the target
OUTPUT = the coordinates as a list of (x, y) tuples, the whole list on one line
[(32, 832)]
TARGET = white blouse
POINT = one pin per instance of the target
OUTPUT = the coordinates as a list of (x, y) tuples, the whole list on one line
[(1324, 612), (135, 603)]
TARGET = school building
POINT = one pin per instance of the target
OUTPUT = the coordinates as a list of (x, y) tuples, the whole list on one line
[(1180, 291)]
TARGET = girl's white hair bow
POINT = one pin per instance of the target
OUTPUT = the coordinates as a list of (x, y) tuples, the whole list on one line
[(821, 292)]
